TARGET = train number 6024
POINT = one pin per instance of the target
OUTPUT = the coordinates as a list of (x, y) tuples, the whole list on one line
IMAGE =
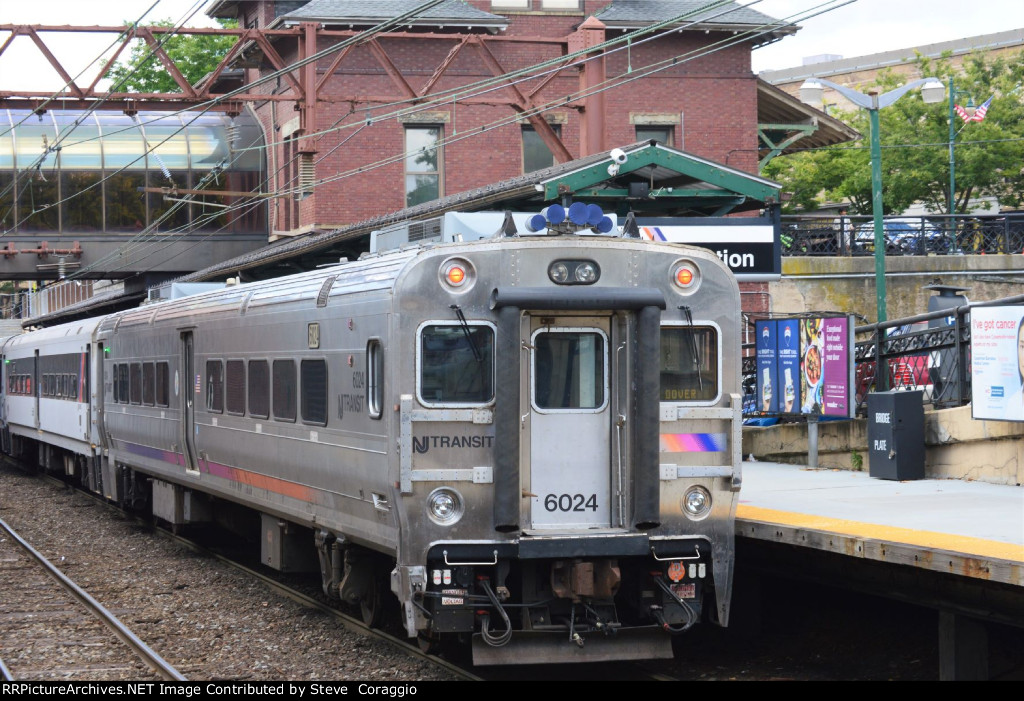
[(570, 502)]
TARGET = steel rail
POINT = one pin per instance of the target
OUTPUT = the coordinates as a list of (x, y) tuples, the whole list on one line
[(162, 668), (349, 622)]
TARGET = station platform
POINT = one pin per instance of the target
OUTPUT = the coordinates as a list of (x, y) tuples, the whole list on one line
[(971, 529)]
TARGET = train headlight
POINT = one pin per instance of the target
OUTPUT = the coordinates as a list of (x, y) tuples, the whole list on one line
[(574, 272), (586, 273), (685, 277), (457, 274), (444, 506), (696, 503)]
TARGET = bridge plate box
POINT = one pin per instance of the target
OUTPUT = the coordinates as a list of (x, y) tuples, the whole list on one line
[(896, 435)]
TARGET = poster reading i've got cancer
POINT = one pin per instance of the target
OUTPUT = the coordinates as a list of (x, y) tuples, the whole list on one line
[(997, 363)]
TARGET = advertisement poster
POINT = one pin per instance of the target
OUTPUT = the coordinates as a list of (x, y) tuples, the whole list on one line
[(767, 366), (835, 375), (789, 364), (997, 363), (825, 366), (812, 345)]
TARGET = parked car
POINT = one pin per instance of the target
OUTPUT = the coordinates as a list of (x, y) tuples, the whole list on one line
[(908, 372), (905, 237)]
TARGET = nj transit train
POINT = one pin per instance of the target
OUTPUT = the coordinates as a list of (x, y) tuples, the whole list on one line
[(532, 442)]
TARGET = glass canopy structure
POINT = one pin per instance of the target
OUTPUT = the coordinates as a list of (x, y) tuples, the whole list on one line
[(65, 177)]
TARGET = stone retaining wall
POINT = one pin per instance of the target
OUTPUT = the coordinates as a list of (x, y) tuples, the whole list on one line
[(956, 446)]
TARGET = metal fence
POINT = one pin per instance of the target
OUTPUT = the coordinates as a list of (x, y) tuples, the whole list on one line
[(928, 352), (960, 234)]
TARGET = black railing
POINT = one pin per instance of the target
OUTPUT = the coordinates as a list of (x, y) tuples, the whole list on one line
[(960, 234), (924, 352)]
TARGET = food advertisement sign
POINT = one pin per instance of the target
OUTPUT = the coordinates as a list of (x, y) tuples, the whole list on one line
[(767, 366), (826, 365), (805, 366), (789, 364), (997, 363)]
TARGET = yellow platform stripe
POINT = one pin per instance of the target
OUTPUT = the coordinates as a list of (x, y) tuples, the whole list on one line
[(965, 545)]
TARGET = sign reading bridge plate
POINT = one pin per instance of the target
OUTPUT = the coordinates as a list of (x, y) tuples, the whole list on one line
[(747, 245)]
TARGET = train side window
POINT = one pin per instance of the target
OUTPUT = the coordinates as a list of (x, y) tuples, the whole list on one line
[(313, 375), (135, 383), (284, 403), (259, 389), (689, 363), (162, 383), (215, 386), (148, 383), (122, 375), (236, 387), (115, 387), (456, 364), (374, 377)]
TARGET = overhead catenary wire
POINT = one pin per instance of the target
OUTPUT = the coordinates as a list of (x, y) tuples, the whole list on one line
[(212, 103), (362, 37), (638, 74), (609, 84)]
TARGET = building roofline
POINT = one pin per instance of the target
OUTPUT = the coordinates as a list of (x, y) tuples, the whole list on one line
[(957, 47)]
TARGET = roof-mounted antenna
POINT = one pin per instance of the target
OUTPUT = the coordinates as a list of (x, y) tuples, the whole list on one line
[(630, 230), (508, 227)]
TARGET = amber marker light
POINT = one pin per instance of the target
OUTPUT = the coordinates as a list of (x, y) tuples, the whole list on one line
[(685, 277), (456, 275)]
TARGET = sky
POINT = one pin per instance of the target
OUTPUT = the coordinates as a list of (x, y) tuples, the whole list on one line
[(866, 27), (844, 27)]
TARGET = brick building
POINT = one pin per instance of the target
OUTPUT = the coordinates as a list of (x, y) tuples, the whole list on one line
[(434, 103)]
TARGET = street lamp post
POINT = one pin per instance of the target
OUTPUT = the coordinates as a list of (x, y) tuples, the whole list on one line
[(953, 93), (932, 90)]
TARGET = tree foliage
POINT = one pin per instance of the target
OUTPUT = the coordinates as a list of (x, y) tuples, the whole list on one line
[(194, 54), (989, 155)]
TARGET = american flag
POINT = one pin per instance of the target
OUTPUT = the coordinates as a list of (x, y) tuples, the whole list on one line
[(979, 114)]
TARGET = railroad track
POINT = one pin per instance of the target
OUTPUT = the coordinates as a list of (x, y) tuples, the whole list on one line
[(302, 597), (196, 668), (58, 631)]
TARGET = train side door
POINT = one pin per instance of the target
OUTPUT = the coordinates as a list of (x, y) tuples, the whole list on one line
[(570, 425), (34, 389), (188, 386)]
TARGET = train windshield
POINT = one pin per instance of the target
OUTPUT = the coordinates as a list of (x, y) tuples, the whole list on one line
[(689, 363), (569, 371), (456, 364)]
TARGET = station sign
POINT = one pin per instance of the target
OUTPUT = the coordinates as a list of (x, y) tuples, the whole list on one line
[(748, 245)]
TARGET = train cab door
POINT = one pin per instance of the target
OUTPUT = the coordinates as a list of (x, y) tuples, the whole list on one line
[(187, 399), (570, 464)]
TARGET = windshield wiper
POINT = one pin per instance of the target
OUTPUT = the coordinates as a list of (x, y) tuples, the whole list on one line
[(693, 345), (468, 334)]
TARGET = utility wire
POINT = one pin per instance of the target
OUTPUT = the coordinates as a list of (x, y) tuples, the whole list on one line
[(640, 73), (609, 85)]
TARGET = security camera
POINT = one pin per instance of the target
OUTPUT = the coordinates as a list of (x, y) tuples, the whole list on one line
[(618, 155)]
